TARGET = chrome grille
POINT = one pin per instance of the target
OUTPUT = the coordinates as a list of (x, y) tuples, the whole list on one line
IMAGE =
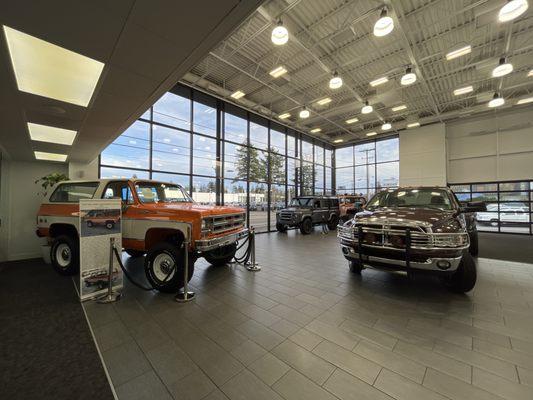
[(285, 216), (223, 223)]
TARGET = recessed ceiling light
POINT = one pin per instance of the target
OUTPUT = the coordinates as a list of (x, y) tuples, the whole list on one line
[(525, 100), (371, 134), (41, 155), (335, 82), (352, 120), (409, 78), (413, 124), (384, 25), (304, 113), (379, 81), (502, 69), (463, 90), (51, 134), (367, 108), (513, 9), (338, 141), (280, 34), (458, 52), (277, 72), (316, 130), (47, 70), (324, 101), (237, 95), (386, 126), (399, 108), (496, 101), (284, 116)]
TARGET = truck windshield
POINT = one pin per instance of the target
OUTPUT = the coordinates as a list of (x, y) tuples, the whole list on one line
[(417, 198), (157, 192), (301, 202)]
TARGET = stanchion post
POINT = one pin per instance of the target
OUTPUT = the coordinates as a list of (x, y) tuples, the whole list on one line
[(252, 265), (110, 296), (184, 295)]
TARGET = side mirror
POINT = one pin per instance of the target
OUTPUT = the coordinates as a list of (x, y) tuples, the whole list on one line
[(473, 207)]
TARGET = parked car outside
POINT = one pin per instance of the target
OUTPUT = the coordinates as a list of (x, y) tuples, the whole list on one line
[(350, 205), (156, 219), (415, 229), (510, 214), (307, 211)]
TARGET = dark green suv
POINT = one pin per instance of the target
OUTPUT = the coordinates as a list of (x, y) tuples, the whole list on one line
[(307, 211)]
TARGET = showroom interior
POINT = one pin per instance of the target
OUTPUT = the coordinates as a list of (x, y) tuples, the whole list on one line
[(266, 199)]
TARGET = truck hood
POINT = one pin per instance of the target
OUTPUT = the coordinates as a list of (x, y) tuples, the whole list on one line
[(192, 208), (295, 209), (437, 220)]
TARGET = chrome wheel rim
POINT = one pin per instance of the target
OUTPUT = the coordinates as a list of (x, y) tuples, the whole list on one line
[(162, 266), (63, 255)]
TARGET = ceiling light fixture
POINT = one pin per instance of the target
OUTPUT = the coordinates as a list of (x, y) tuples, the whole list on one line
[(530, 73), (413, 125), (463, 90), (304, 113), (513, 9), (338, 141), (502, 69), (284, 116), (316, 130), (335, 82), (409, 78), (371, 134), (324, 101), (379, 81), (459, 52), (399, 108), (41, 155), (352, 120), (496, 101), (367, 108), (51, 134), (384, 25), (280, 34), (525, 100), (386, 126), (237, 95), (47, 70), (278, 71)]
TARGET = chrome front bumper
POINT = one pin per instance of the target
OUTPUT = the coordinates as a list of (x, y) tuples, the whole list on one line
[(431, 264), (204, 245)]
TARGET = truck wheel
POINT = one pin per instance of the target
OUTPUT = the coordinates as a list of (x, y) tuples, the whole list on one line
[(333, 222), (355, 267), (464, 279), (306, 227), (65, 255), (90, 224), (222, 255), (164, 265), (135, 253), (281, 227), (474, 244), (109, 224)]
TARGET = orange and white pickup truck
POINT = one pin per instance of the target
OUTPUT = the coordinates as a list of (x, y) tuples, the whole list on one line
[(156, 217)]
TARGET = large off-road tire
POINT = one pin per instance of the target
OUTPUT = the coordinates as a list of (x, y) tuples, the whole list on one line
[(306, 226), (333, 222), (65, 255), (222, 255), (109, 225), (135, 253), (355, 266), (464, 279), (474, 244), (90, 224), (164, 265), (281, 227)]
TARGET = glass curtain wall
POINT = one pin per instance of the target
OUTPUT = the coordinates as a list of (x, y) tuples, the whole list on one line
[(509, 205), (221, 154), (368, 167)]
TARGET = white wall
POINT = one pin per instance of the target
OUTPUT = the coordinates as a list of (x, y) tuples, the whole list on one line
[(423, 156), (82, 170), (494, 147), (20, 200)]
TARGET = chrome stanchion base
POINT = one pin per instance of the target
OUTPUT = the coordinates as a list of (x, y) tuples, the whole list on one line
[(252, 266), (108, 298), (184, 297)]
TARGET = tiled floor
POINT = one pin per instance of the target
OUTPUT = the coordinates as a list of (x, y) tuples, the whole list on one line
[(305, 328)]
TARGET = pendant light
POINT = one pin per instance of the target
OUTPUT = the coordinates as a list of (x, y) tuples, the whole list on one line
[(409, 78), (304, 113), (384, 25), (502, 69), (496, 101), (335, 82), (367, 109), (512, 9), (280, 34)]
